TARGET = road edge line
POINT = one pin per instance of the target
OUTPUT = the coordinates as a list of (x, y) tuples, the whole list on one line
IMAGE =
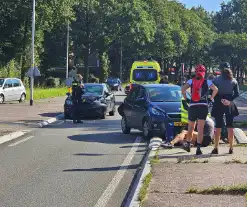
[(133, 198)]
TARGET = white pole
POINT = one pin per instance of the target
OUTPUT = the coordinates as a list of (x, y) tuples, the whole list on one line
[(121, 61), (32, 60), (67, 53)]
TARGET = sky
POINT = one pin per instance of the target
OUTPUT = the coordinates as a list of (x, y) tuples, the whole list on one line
[(210, 5)]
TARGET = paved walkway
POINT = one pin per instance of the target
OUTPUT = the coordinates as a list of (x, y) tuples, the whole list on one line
[(18, 116), (179, 171)]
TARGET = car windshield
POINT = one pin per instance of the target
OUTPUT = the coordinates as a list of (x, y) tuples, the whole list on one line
[(161, 94), (145, 75), (94, 89), (1, 82)]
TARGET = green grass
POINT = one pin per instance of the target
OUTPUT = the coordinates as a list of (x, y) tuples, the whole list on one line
[(155, 159), (41, 93), (144, 188), (220, 190), (240, 124)]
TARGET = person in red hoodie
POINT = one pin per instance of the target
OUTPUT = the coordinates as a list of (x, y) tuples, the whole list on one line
[(198, 107)]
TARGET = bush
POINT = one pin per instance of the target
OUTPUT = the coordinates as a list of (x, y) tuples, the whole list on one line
[(53, 82)]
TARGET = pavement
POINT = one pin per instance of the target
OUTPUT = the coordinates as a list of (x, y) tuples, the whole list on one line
[(65, 164), (17, 116), (179, 171)]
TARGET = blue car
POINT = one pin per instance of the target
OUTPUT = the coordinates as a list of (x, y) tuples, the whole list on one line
[(152, 107)]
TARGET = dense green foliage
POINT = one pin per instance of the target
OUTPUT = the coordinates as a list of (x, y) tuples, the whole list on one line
[(162, 29)]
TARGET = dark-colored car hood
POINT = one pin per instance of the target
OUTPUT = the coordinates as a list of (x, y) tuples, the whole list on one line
[(168, 107), (91, 97)]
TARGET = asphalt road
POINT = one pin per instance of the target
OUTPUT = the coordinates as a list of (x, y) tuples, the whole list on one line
[(90, 164)]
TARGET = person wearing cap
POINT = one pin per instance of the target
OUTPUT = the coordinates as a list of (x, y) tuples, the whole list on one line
[(77, 92), (224, 105), (198, 109)]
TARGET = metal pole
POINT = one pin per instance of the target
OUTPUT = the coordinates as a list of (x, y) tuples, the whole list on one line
[(67, 53), (121, 62), (32, 59)]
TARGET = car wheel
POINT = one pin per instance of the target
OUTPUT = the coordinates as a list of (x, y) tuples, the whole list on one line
[(124, 126), (103, 115), (66, 115), (22, 98), (1, 98), (145, 129), (112, 113)]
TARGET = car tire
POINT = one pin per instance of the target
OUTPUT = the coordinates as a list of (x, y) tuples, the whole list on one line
[(145, 129), (112, 113), (125, 128), (66, 115), (1, 98), (22, 98), (103, 115)]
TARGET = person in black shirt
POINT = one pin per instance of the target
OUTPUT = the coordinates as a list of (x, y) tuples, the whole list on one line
[(77, 92)]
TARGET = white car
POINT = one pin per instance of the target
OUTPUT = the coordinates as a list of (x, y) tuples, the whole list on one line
[(12, 89)]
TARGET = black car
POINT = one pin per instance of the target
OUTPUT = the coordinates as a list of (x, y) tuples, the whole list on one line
[(96, 102), (114, 83), (150, 107)]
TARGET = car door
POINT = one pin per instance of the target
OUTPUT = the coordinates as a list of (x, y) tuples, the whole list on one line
[(129, 106), (8, 90), (17, 90), (139, 108)]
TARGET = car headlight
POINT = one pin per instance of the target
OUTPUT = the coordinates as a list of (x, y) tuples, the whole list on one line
[(155, 111), (68, 102)]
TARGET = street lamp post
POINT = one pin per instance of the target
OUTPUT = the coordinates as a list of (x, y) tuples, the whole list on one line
[(67, 53), (121, 61), (32, 59)]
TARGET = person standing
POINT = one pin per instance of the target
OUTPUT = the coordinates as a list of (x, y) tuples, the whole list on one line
[(224, 105), (77, 92), (198, 109), (164, 78)]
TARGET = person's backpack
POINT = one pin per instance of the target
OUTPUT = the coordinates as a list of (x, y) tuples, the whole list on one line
[(199, 89)]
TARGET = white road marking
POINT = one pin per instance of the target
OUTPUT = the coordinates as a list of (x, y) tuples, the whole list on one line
[(12, 136), (105, 197), (23, 140)]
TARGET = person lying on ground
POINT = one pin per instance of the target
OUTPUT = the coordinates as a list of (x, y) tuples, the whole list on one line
[(208, 136)]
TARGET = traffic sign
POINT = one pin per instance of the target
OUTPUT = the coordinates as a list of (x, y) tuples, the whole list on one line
[(33, 72)]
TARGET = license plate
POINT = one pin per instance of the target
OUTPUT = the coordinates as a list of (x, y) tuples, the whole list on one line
[(180, 124)]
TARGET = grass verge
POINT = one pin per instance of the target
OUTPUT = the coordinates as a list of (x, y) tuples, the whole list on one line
[(240, 124), (155, 159), (220, 190), (144, 188), (41, 93)]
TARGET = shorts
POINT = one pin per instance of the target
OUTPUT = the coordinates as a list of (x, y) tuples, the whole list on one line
[(198, 112)]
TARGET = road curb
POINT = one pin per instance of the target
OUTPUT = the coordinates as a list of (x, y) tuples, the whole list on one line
[(133, 199), (51, 120), (17, 134)]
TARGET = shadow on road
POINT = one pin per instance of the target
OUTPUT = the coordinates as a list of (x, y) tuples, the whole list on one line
[(103, 169), (109, 138)]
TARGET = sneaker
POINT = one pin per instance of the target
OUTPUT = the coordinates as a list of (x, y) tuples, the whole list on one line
[(74, 121), (231, 151), (198, 151), (215, 151), (167, 145), (186, 146), (79, 122)]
